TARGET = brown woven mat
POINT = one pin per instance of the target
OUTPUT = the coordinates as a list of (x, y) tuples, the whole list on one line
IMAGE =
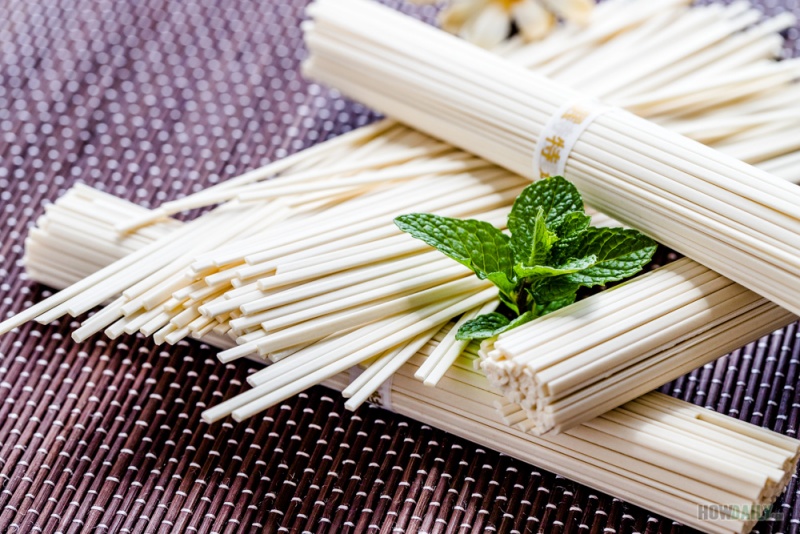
[(150, 100)]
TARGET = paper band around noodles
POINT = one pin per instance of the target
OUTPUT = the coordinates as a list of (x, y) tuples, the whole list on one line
[(561, 133), (382, 396)]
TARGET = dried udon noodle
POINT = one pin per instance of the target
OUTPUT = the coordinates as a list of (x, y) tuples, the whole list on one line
[(738, 220), (282, 288), (658, 452), (332, 298)]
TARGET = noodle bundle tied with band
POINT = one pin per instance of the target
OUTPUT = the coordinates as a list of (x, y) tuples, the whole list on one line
[(733, 218), (307, 271)]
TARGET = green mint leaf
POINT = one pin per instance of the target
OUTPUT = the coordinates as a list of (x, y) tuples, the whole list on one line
[(553, 305), (571, 224), (555, 196), (544, 271), (619, 253), (552, 252), (483, 326), (490, 325), (476, 244), (556, 288), (542, 240)]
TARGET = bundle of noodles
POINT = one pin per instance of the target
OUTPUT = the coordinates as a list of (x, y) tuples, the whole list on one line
[(308, 271), (265, 275), (732, 217), (658, 452)]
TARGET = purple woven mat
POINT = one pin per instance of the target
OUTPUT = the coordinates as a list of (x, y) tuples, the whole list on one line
[(154, 99)]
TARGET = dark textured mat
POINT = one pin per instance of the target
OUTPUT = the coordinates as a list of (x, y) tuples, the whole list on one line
[(152, 99)]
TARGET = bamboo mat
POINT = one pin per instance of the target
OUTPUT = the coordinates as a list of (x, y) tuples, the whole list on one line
[(153, 99)]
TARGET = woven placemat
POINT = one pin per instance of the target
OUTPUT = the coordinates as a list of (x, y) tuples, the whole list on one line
[(151, 100)]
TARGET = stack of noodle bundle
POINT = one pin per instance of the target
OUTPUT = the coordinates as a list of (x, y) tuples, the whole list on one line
[(657, 452), (317, 303), (732, 217), (263, 281), (358, 292)]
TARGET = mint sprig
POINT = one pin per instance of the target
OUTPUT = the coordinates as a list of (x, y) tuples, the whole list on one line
[(548, 254)]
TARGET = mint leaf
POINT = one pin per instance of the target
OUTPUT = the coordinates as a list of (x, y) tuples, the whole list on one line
[(571, 224), (556, 288), (619, 253), (542, 241), (483, 326), (544, 271), (555, 196), (551, 253), (476, 244), (553, 305), (490, 325)]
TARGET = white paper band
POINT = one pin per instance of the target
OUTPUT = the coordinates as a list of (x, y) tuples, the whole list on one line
[(382, 396), (561, 133)]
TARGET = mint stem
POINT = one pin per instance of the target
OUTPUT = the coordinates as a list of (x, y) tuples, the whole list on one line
[(522, 296)]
